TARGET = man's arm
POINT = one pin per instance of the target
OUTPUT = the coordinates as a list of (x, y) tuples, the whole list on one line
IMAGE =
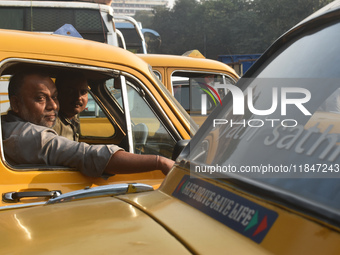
[(123, 162)]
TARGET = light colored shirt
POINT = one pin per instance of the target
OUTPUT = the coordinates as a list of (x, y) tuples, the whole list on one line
[(27, 143)]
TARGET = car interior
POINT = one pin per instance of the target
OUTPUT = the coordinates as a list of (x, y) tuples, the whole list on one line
[(104, 121)]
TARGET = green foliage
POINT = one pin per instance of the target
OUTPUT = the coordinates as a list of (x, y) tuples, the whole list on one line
[(216, 27), (145, 17)]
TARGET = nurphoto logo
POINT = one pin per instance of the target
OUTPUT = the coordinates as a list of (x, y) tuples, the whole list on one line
[(239, 98), (211, 92)]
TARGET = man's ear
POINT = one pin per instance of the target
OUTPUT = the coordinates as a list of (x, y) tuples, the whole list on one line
[(14, 102)]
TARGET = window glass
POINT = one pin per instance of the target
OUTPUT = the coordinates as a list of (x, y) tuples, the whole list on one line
[(180, 87), (191, 88), (293, 151), (172, 99), (311, 55), (93, 121), (4, 100), (150, 136)]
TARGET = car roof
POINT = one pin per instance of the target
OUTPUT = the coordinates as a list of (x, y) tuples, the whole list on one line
[(20, 42), (165, 60)]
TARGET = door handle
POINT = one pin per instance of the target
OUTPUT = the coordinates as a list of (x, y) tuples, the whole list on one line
[(14, 197)]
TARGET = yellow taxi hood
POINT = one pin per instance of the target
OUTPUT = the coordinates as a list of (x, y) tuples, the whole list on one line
[(93, 226), (65, 46), (156, 60), (205, 215)]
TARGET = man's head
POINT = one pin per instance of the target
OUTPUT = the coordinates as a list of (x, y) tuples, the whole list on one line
[(72, 88), (33, 97)]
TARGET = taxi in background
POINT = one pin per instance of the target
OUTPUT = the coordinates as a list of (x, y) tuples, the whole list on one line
[(214, 201), (128, 107), (191, 78)]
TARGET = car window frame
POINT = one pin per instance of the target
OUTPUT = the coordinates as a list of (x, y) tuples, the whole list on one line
[(225, 76), (6, 63), (150, 101)]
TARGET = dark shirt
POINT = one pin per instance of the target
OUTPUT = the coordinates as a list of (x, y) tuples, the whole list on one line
[(68, 128)]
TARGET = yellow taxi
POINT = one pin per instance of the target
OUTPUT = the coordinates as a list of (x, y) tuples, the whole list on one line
[(261, 176), (128, 107), (190, 77)]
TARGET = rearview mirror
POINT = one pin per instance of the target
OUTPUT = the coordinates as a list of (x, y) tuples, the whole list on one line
[(179, 147)]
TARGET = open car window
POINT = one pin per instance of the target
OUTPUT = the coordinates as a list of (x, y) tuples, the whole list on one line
[(104, 120), (94, 120), (145, 130)]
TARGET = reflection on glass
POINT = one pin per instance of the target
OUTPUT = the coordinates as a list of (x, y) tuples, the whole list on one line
[(295, 153), (188, 89), (150, 136)]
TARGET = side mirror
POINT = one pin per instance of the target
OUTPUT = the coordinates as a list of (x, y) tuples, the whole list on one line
[(179, 147)]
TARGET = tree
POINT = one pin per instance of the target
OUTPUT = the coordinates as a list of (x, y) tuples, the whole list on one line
[(217, 27)]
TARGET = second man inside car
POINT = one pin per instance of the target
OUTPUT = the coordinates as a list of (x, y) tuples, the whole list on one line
[(30, 139)]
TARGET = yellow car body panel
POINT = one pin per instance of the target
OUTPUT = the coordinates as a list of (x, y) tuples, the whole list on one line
[(292, 233), (55, 49), (167, 64), (156, 222), (97, 125), (56, 45), (89, 229)]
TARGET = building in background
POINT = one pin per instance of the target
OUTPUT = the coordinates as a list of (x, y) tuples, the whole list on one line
[(130, 7)]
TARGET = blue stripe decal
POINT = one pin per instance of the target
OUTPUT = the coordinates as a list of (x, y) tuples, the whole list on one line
[(238, 213)]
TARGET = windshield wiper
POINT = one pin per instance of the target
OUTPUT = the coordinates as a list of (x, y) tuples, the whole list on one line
[(100, 191)]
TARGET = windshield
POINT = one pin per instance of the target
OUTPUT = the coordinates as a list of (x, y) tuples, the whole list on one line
[(193, 125), (282, 127)]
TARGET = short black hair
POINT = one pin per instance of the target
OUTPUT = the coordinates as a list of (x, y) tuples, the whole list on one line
[(68, 77), (17, 80)]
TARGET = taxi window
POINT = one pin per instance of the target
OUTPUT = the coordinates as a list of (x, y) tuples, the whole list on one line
[(150, 135), (93, 121), (90, 119), (4, 101), (95, 127), (197, 90)]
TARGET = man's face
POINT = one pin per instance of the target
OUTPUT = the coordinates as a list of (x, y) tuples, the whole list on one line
[(37, 101), (73, 97)]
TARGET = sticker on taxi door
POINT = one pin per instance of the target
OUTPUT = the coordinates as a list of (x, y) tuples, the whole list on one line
[(244, 216)]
